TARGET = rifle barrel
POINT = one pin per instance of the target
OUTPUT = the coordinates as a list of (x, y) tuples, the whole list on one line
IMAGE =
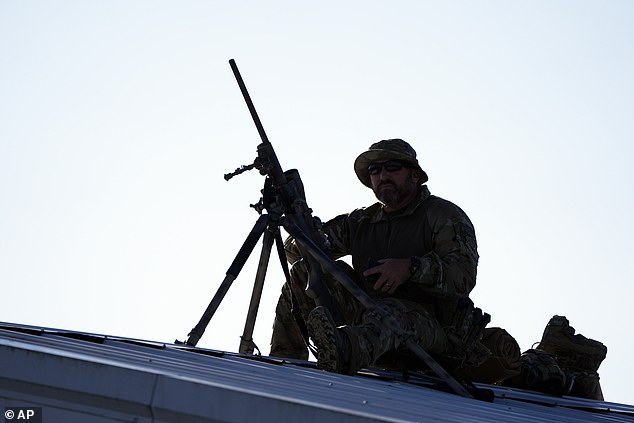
[(247, 98)]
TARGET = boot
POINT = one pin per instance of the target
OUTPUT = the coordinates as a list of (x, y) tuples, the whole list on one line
[(573, 352), (539, 372), (339, 349), (577, 355)]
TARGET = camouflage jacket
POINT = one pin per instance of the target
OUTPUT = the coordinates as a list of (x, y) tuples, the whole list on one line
[(435, 231)]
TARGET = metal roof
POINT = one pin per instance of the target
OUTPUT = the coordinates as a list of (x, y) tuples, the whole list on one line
[(83, 377)]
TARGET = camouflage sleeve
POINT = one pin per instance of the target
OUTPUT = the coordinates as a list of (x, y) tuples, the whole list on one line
[(336, 233), (450, 268), (291, 250)]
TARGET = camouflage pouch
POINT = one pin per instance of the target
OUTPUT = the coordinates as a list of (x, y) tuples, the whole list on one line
[(587, 386), (502, 363), (464, 331)]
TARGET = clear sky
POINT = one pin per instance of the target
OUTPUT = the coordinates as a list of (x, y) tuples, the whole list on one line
[(118, 120)]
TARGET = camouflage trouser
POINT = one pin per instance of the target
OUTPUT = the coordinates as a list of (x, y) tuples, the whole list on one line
[(287, 340)]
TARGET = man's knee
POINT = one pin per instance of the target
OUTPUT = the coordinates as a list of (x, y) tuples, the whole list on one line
[(411, 317)]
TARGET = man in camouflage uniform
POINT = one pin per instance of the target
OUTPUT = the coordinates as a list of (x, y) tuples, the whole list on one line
[(424, 257)]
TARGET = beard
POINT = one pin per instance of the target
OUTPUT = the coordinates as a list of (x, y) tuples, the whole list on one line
[(391, 194)]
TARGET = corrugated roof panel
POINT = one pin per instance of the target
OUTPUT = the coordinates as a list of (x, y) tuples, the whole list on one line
[(149, 381)]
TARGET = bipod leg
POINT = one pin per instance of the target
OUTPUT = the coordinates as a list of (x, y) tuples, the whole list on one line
[(231, 275), (387, 321), (246, 342), (279, 244)]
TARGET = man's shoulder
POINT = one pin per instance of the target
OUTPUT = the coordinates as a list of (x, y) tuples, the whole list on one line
[(356, 215), (365, 212), (437, 207), (436, 202)]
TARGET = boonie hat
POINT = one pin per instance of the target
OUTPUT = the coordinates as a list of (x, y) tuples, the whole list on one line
[(392, 149)]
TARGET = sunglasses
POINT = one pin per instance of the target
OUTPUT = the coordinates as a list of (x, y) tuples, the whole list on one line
[(390, 166)]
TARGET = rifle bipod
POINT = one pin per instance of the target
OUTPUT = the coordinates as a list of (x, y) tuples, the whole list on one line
[(270, 227)]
